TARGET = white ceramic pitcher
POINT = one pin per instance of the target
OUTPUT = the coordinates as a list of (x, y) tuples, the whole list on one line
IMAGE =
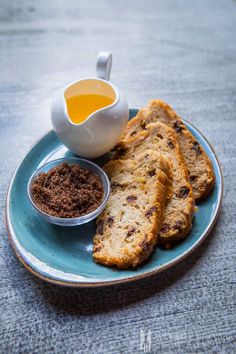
[(101, 131)]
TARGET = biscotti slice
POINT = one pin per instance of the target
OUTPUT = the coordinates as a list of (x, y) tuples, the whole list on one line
[(177, 219), (199, 166), (127, 229)]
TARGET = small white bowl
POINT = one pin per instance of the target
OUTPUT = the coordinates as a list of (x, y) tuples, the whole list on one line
[(81, 219)]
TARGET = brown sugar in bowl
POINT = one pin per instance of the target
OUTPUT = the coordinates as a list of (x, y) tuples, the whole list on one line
[(69, 191)]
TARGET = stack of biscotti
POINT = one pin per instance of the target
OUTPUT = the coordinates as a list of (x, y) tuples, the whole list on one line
[(177, 219), (158, 130), (127, 230), (199, 166)]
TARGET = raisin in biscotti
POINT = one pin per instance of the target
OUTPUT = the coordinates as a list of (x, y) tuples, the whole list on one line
[(127, 229), (177, 219), (199, 166)]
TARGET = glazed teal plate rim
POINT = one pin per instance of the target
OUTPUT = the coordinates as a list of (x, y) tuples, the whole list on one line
[(60, 275)]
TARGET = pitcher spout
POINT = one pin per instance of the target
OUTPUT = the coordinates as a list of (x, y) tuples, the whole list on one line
[(59, 117)]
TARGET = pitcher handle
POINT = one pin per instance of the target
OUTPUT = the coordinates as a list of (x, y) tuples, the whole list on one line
[(104, 63)]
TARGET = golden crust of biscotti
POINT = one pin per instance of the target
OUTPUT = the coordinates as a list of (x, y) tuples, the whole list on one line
[(127, 229), (177, 219), (199, 166)]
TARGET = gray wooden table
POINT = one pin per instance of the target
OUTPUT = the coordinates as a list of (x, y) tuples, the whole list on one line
[(183, 52)]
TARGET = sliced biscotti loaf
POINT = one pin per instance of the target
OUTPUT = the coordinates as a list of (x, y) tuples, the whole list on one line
[(177, 219), (199, 166), (127, 229)]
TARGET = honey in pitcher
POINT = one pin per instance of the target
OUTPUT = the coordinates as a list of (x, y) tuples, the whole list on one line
[(81, 106)]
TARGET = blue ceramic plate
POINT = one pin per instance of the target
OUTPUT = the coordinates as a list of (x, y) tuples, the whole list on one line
[(63, 255)]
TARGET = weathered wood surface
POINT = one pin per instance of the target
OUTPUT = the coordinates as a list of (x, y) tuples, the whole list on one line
[(181, 51)]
